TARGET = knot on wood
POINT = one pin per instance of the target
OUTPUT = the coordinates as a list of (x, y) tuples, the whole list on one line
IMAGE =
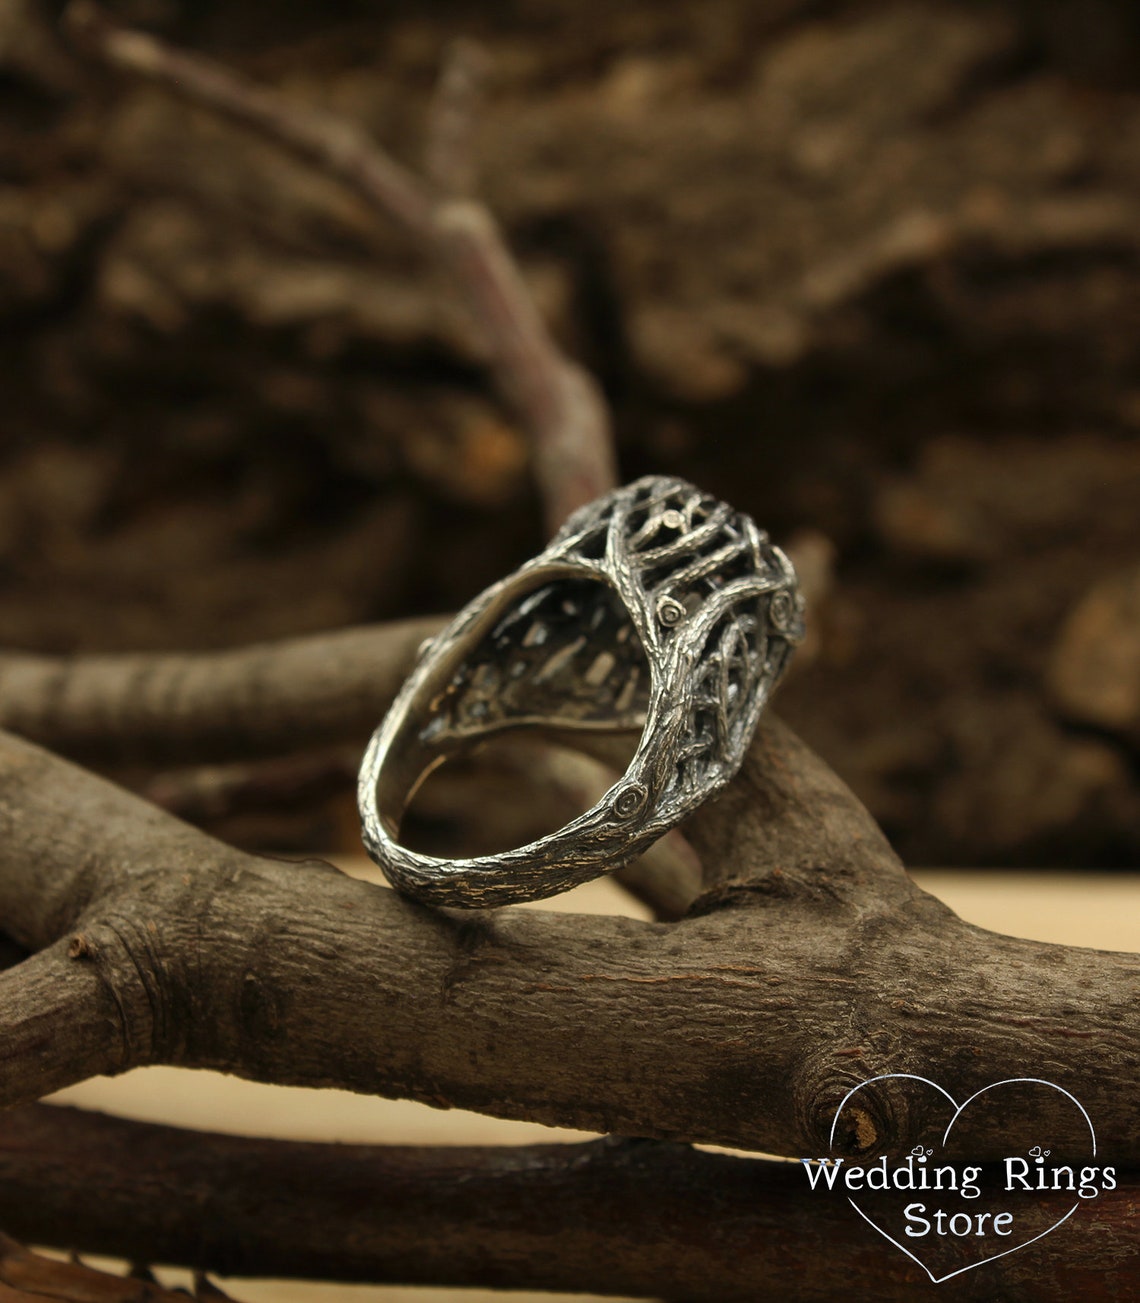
[(841, 1124), (81, 947), (126, 955), (813, 886)]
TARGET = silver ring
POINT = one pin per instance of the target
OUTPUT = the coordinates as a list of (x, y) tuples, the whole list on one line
[(655, 609)]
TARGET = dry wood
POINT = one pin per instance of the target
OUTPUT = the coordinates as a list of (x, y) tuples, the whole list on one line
[(258, 701), (639, 1217), (811, 964)]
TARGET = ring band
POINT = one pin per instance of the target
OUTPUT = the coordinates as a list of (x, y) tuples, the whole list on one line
[(655, 608)]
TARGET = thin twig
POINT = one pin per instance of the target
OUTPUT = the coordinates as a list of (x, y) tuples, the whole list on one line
[(338, 148), (450, 155), (559, 405)]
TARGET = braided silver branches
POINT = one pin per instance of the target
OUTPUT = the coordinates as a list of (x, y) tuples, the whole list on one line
[(655, 608)]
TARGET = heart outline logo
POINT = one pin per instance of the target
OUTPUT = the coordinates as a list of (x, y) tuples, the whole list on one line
[(958, 1110)]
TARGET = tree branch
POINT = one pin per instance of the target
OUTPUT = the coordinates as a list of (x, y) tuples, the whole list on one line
[(263, 700), (805, 986), (557, 401), (450, 156), (56, 1016), (206, 793), (638, 1217), (787, 821)]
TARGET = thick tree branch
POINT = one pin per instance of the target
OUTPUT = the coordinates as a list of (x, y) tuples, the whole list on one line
[(788, 822), (742, 1026), (810, 964), (641, 1218), (557, 401)]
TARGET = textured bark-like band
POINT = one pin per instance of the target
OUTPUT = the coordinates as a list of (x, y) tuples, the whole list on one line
[(655, 608)]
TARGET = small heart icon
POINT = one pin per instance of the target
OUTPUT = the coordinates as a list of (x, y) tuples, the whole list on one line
[(984, 1229)]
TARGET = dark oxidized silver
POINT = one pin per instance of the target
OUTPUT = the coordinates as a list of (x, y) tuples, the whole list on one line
[(655, 609)]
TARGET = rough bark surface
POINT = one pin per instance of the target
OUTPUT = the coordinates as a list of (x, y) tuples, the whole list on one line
[(795, 977), (638, 1217)]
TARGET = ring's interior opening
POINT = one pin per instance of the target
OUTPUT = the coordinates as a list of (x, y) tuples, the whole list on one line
[(565, 653), (510, 790), (560, 658)]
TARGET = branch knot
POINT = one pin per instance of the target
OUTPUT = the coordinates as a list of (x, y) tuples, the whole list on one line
[(126, 955)]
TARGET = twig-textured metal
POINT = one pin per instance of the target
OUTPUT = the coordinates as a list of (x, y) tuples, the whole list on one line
[(655, 608)]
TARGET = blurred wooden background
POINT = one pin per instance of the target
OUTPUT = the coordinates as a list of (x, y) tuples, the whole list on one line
[(869, 270)]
